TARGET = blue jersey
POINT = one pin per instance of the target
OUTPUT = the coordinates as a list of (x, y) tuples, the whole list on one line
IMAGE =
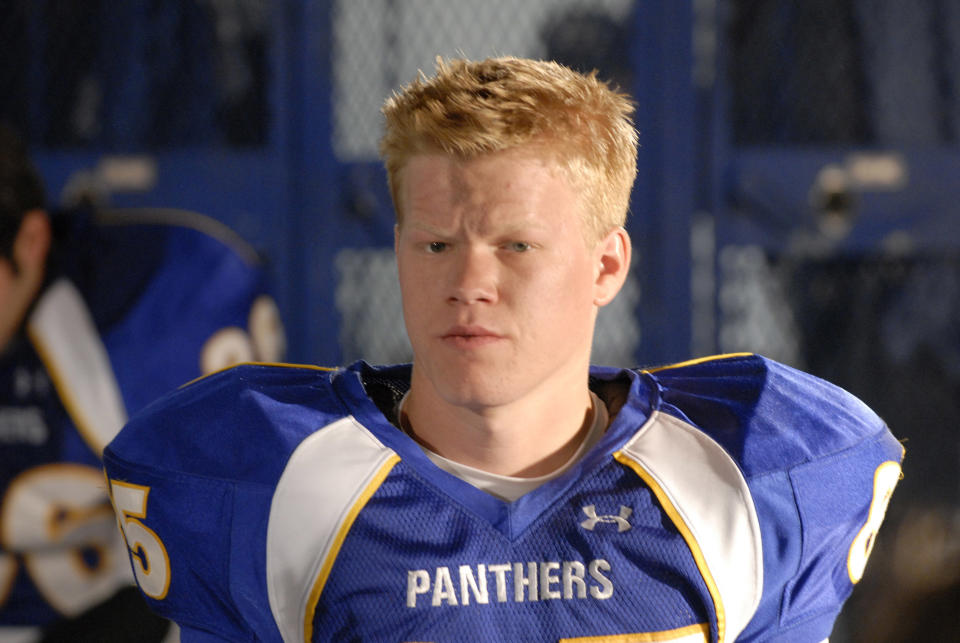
[(138, 302), (732, 498)]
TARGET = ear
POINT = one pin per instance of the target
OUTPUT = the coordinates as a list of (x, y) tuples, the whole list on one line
[(32, 243), (612, 261)]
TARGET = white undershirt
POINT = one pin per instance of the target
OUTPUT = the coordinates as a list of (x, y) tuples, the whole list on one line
[(509, 488)]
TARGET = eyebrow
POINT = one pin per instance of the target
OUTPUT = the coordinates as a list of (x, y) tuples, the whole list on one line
[(423, 227), (517, 228)]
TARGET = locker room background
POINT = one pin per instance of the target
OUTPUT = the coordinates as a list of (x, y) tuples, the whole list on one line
[(796, 195)]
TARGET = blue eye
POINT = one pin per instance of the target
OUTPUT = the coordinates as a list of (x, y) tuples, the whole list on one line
[(436, 247), (518, 246)]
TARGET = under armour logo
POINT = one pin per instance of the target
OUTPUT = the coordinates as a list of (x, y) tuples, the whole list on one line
[(593, 518)]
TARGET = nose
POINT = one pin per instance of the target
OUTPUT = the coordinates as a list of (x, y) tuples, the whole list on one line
[(474, 277)]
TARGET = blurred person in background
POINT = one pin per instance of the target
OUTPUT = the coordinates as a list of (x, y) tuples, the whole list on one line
[(100, 312)]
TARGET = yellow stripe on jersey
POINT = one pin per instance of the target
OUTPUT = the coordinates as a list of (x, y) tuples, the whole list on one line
[(688, 536), (698, 633), (334, 551), (315, 504), (60, 384), (280, 364), (66, 339), (703, 492), (698, 360)]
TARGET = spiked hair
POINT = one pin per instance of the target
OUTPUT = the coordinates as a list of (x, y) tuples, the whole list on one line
[(470, 108)]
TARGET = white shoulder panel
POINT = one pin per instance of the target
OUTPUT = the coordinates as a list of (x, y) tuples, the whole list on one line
[(62, 331), (315, 501), (705, 494)]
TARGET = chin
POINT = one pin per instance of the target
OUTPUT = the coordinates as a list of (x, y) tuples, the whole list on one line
[(472, 394), (475, 388)]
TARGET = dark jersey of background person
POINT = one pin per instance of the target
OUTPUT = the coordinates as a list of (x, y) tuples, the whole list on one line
[(135, 303)]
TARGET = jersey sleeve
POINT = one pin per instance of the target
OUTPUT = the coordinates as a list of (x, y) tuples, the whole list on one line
[(206, 305), (819, 521), (821, 467), (191, 479), (186, 536)]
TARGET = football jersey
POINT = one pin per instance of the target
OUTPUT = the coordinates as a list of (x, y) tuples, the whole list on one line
[(138, 302), (730, 498)]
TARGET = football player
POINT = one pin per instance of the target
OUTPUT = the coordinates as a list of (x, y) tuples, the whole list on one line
[(500, 488), (100, 312)]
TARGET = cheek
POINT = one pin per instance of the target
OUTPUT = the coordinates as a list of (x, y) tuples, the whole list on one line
[(569, 277), (408, 279), (415, 301), (564, 291)]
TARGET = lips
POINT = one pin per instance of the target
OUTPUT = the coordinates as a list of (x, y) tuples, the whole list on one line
[(467, 336)]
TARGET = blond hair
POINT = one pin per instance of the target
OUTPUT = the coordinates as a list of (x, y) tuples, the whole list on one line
[(470, 108)]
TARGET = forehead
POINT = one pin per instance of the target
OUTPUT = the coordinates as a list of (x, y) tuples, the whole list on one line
[(515, 182)]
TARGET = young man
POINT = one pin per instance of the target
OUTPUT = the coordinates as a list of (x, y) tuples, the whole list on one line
[(500, 488), (100, 313)]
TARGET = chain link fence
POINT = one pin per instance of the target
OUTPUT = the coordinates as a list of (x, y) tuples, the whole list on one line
[(872, 72), (136, 75)]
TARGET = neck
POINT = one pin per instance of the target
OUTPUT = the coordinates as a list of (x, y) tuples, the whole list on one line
[(529, 437), (15, 308)]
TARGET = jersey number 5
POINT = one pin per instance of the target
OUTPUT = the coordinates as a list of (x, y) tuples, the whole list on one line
[(884, 480), (151, 565)]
